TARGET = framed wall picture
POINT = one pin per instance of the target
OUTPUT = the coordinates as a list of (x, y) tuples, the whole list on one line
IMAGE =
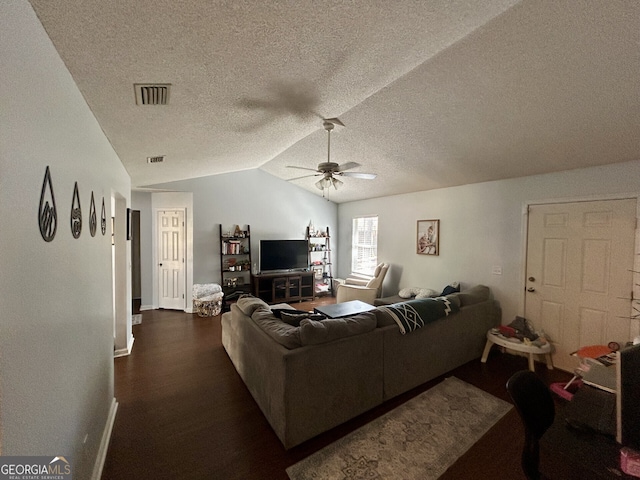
[(318, 272), (428, 237)]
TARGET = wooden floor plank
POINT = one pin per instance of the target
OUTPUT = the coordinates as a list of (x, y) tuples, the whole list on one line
[(185, 413)]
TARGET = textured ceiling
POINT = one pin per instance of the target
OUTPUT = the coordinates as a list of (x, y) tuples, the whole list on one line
[(433, 93)]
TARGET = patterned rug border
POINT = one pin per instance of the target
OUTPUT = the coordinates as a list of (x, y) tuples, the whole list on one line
[(421, 438)]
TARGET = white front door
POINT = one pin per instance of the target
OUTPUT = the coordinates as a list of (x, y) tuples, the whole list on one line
[(171, 259), (580, 258)]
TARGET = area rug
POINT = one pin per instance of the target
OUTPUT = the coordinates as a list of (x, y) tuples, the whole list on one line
[(420, 439)]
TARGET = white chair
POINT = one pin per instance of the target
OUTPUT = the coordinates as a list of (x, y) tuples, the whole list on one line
[(365, 290)]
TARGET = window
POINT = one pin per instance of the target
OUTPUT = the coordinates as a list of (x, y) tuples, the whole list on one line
[(364, 245)]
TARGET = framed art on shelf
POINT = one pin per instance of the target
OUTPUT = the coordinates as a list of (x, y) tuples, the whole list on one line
[(428, 237)]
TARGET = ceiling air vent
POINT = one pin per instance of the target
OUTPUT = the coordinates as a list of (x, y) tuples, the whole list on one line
[(152, 93), (158, 159)]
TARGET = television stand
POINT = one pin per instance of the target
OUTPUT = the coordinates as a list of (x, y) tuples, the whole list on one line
[(283, 287)]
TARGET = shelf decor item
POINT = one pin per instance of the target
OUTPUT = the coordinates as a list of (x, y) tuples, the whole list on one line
[(428, 237), (93, 219), (76, 213), (47, 213), (103, 219)]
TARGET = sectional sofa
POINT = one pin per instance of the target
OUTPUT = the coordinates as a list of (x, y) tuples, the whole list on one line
[(310, 378)]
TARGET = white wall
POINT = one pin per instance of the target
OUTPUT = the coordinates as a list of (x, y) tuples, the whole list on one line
[(481, 226), (56, 313), (273, 208)]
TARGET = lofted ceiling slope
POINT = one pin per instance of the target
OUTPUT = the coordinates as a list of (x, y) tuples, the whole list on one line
[(433, 93)]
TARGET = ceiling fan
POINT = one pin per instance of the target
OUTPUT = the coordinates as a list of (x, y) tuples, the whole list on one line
[(330, 170)]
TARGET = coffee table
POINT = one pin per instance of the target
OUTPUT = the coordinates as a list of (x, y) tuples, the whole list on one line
[(344, 309)]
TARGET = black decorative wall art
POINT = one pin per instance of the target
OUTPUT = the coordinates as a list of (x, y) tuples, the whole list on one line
[(103, 219), (93, 221), (76, 213), (47, 213)]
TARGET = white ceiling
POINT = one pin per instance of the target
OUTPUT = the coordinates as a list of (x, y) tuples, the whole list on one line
[(433, 93)]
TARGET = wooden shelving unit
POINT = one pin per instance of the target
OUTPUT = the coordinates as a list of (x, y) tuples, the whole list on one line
[(320, 261), (235, 263)]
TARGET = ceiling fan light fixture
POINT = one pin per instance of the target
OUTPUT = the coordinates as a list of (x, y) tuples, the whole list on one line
[(336, 182), (321, 184)]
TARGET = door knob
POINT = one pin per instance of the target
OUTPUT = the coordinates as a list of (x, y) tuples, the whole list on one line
[(531, 289), (160, 264)]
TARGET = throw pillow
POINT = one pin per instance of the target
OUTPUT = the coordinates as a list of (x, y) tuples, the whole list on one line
[(418, 292), (407, 292), (426, 293), (451, 288), (249, 304)]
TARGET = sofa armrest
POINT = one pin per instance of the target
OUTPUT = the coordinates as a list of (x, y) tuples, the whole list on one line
[(346, 293), (361, 281)]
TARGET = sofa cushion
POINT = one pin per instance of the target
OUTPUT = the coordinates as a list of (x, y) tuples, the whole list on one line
[(383, 318), (477, 294), (286, 335), (249, 304), (456, 303), (314, 333), (294, 317)]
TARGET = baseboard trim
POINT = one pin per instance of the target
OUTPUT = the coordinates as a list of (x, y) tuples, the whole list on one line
[(146, 307), (123, 352), (104, 442)]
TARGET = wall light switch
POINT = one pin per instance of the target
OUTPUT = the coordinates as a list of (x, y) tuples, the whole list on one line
[(496, 270)]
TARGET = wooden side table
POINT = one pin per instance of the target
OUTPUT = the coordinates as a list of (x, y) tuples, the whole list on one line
[(530, 350)]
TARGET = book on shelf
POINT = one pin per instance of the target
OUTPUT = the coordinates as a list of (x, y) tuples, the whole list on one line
[(232, 247)]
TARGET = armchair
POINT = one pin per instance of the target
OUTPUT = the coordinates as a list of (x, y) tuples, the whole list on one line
[(362, 289)]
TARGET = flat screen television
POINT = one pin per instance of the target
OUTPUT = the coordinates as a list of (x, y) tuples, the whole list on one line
[(284, 255)]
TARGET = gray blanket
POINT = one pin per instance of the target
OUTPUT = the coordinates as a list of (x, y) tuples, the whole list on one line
[(414, 314)]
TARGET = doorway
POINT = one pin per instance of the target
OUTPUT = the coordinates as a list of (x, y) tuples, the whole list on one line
[(579, 278), (171, 259)]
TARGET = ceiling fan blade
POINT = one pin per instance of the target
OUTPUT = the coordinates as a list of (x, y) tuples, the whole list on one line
[(304, 176), (366, 176), (347, 166), (302, 168)]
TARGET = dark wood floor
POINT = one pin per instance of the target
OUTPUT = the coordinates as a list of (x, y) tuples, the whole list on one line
[(184, 412)]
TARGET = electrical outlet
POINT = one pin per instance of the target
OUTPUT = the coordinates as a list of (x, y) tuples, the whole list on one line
[(496, 270)]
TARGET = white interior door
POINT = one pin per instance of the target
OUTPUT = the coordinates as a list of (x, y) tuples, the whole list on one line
[(579, 279), (171, 259)]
